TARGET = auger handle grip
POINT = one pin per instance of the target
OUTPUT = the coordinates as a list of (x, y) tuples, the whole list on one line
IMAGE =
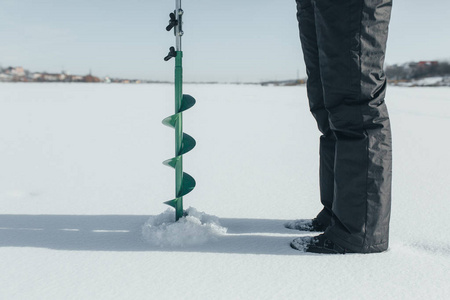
[(172, 53), (172, 22)]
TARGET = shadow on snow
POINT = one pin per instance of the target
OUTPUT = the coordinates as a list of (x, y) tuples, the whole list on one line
[(123, 233)]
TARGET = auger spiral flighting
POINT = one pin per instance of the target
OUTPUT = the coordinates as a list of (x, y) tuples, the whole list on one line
[(184, 183)]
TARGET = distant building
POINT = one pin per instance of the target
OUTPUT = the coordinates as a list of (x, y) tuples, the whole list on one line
[(36, 76), (15, 71), (50, 77), (19, 74), (427, 63), (90, 78), (5, 77), (76, 78)]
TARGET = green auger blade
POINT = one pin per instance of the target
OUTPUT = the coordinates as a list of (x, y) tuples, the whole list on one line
[(187, 102), (172, 202), (172, 162), (187, 144), (187, 186), (171, 120)]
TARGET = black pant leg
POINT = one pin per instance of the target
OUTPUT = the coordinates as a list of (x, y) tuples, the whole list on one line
[(351, 36), (307, 27)]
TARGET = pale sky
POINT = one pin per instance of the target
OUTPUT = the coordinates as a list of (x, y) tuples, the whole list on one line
[(229, 40)]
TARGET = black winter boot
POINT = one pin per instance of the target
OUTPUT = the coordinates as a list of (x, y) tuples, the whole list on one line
[(318, 244), (306, 225)]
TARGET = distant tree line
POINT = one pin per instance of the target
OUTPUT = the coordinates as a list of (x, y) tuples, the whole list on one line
[(418, 70)]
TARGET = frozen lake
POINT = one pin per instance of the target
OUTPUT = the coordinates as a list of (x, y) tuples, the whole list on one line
[(81, 172)]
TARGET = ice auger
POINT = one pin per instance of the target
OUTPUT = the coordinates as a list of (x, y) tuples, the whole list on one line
[(184, 183)]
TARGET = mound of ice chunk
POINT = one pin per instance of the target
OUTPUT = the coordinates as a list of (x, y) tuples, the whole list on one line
[(194, 229)]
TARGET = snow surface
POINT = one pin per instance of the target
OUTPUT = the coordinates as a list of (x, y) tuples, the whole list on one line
[(81, 174)]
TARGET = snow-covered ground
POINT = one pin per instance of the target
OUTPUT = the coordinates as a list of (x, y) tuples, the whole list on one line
[(81, 173)]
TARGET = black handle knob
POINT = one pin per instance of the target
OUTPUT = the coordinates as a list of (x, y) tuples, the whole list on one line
[(172, 22), (172, 53)]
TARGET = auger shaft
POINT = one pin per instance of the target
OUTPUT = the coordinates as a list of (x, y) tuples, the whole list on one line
[(178, 102), (184, 183), (179, 132)]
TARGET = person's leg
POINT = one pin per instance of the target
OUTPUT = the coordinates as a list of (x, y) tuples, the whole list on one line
[(351, 37), (307, 28)]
